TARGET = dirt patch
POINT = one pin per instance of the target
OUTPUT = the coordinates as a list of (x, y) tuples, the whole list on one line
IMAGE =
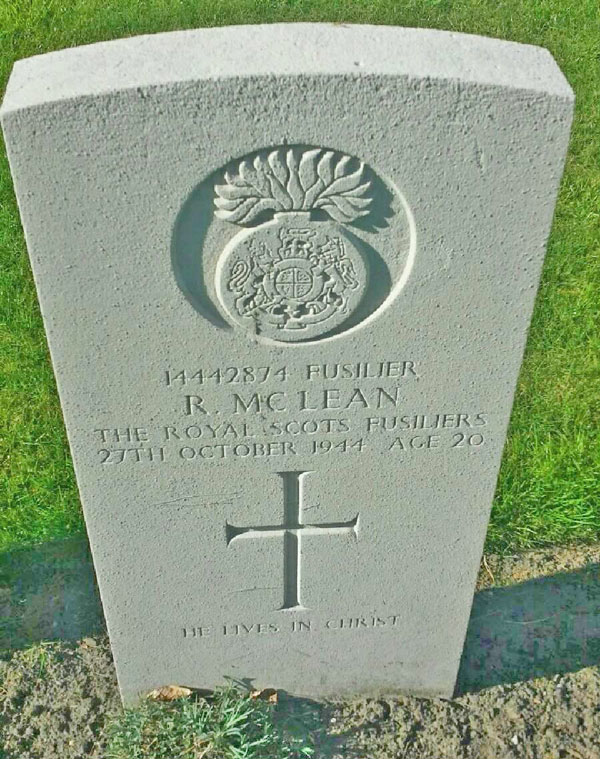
[(55, 699), (541, 719), (499, 571), (535, 614)]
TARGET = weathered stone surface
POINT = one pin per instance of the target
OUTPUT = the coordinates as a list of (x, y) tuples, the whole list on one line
[(286, 274)]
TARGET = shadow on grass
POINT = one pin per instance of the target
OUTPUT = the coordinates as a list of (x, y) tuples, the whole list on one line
[(538, 628), (48, 593)]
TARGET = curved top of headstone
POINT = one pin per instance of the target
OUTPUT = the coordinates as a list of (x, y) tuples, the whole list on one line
[(280, 50)]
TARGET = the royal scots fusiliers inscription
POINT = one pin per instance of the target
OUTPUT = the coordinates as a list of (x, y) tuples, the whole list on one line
[(286, 274)]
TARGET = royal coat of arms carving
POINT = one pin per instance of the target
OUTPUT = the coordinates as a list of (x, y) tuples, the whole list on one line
[(294, 272)]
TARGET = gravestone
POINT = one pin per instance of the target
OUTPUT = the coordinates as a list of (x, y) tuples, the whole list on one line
[(286, 274)]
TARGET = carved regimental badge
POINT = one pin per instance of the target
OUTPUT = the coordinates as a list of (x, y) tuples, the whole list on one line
[(297, 272)]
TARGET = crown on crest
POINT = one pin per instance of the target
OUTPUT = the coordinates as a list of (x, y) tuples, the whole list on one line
[(296, 243)]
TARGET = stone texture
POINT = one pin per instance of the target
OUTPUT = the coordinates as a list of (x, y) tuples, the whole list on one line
[(286, 274)]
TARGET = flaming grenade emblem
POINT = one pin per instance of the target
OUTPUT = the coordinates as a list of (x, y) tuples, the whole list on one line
[(299, 274)]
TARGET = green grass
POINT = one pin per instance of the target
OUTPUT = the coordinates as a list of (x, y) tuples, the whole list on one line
[(549, 487), (228, 726)]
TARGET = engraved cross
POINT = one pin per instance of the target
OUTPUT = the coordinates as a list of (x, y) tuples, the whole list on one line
[(292, 530)]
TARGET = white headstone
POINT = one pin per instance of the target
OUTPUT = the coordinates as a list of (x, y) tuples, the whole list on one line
[(286, 274)]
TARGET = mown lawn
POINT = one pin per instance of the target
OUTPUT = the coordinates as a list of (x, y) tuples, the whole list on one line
[(549, 487)]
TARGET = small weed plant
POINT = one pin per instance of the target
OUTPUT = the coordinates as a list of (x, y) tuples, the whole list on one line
[(230, 725)]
